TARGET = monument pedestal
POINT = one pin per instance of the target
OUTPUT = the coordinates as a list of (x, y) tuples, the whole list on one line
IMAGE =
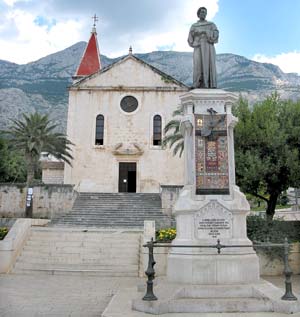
[(210, 206), (211, 269)]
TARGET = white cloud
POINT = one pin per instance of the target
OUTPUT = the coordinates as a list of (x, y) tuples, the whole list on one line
[(33, 41), (288, 62), (10, 2), (175, 33)]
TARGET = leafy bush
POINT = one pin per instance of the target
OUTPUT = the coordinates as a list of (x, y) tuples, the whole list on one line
[(165, 235), (259, 229), (3, 232)]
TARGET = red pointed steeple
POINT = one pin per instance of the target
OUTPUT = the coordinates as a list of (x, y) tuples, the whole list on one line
[(90, 61)]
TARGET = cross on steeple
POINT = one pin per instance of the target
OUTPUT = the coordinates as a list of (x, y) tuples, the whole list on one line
[(96, 19)]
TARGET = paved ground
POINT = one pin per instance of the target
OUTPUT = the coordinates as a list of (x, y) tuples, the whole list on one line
[(47, 295)]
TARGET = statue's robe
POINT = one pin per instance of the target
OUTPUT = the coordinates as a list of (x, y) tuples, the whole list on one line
[(202, 36)]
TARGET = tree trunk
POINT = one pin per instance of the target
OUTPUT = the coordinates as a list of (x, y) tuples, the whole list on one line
[(271, 206), (30, 173)]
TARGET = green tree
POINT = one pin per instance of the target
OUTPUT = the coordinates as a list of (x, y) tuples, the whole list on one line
[(35, 134), (12, 164), (173, 137), (267, 144)]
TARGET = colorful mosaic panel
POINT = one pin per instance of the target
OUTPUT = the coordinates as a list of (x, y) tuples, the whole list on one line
[(212, 175)]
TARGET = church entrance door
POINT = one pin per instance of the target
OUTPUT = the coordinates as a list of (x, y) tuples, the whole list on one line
[(127, 177)]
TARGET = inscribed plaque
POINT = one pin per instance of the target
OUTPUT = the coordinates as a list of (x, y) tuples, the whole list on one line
[(213, 221)]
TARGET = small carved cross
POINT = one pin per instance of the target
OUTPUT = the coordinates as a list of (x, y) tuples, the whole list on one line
[(96, 19)]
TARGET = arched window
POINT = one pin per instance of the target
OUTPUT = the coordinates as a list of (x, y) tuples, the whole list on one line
[(99, 129), (157, 130)]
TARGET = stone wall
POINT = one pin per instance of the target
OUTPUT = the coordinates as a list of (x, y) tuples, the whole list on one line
[(48, 200)]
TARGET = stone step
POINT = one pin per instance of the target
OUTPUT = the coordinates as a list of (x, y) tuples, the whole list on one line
[(115, 217), (114, 232), (111, 211), (119, 211), (130, 221), (133, 222), (117, 245), (76, 259), (120, 198), (209, 305), (114, 210), (88, 254), (221, 305), (99, 252), (98, 273), (124, 202), (109, 224), (84, 237), (81, 266), (219, 291), (127, 195), (97, 224), (117, 200), (120, 202), (81, 249)]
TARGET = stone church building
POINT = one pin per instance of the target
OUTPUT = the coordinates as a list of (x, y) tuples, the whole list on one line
[(116, 117)]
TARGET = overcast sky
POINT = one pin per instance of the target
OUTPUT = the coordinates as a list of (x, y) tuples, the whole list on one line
[(263, 30)]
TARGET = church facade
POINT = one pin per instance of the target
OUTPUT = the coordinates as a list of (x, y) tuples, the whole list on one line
[(116, 118)]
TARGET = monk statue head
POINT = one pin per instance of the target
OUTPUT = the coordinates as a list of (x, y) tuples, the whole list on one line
[(201, 13)]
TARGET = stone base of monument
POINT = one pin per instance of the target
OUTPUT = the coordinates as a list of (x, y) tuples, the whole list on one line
[(259, 297), (210, 269), (201, 221)]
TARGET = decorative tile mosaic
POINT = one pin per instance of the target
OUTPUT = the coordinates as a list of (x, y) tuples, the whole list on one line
[(212, 175)]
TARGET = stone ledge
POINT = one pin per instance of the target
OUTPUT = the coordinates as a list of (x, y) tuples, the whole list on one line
[(121, 306), (175, 298), (13, 243)]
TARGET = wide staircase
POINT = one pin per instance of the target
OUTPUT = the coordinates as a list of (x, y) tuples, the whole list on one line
[(78, 251), (114, 210)]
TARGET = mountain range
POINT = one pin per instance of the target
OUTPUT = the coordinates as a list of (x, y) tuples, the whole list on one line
[(42, 85)]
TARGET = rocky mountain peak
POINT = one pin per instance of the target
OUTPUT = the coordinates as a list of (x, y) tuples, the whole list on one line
[(42, 84)]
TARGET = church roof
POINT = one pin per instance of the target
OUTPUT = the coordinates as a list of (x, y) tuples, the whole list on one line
[(166, 77), (90, 61)]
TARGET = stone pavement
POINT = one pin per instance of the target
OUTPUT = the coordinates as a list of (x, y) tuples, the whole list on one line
[(53, 295), (67, 295)]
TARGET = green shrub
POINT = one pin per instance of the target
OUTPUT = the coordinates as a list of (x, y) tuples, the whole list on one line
[(259, 229), (3, 232), (166, 235)]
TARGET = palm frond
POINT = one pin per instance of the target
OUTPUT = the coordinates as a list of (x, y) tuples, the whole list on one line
[(34, 134)]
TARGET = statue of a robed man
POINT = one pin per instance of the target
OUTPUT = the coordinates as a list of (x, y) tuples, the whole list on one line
[(202, 37)]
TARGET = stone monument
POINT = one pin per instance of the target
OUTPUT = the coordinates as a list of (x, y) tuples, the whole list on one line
[(211, 207)]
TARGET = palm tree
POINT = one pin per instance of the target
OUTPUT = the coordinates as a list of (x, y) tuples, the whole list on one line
[(173, 136), (35, 134)]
